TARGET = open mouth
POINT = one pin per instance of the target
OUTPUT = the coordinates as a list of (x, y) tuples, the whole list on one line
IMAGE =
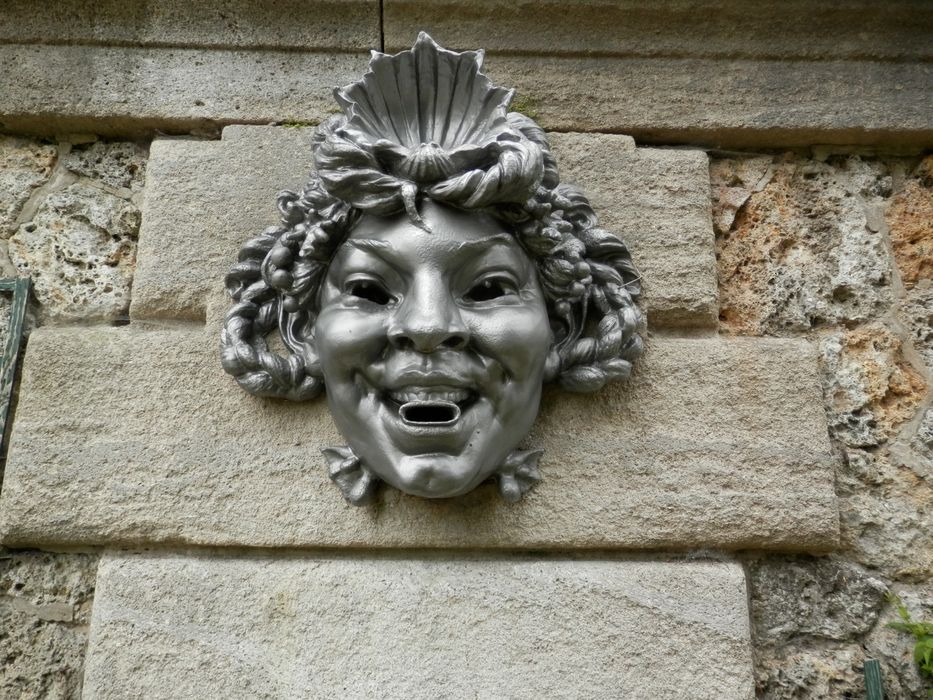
[(434, 407)]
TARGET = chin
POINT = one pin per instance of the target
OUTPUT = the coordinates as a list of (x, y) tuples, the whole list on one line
[(434, 476)]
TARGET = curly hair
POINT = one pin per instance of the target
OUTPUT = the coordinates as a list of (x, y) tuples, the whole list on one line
[(590, 284)]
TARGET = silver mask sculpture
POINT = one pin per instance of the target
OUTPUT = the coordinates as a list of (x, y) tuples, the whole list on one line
[(433, 274)]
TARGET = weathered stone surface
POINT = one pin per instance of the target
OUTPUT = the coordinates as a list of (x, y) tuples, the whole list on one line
[(417, 628), (725, 102), (80, 250), (807, 248), (205, 199), (24, 165), (658, 201), (724, 28), (817, 598), (923, 440), (733, 180), (132, 90), (916, 309), (895, 648), (910, 219), (292, 24), (45, 605), (119, 165), (706, 447), (870, 390)]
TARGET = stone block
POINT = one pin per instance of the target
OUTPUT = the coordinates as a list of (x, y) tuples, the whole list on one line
[(205, 199), (417, 628), (342, 25), (726, 103), (125, 436), (125, 90), (24, 165), (715, 28)]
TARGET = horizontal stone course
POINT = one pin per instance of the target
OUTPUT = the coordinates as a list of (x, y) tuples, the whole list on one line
[(306, 25), (205, 199), (126, 437), (729, 101), (131, 90), (724, 28), (417, 628)]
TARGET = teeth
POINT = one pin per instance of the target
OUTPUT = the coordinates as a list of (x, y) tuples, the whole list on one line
[(429, 394)]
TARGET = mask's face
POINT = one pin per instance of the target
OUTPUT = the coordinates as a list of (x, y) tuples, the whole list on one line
[(433, 347)]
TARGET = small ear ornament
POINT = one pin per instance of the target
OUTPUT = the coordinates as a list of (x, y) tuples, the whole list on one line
[(519, 474), (356, 483)]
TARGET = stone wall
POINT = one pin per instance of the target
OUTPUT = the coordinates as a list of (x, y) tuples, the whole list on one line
[(805, 307)]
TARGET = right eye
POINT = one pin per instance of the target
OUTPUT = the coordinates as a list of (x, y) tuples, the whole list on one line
[(370, 290)]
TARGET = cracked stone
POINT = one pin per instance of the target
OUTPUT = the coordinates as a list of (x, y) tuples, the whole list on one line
[(120, 164), (25, 164), (80, 250), (910, 220), (868, 387), (807, 249)]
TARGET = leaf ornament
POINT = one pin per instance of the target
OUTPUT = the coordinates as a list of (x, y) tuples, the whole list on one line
[(519, 474), (426, 121), (355, 481)]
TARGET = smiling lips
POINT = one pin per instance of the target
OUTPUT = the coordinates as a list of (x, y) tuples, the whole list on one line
[(430, 406)]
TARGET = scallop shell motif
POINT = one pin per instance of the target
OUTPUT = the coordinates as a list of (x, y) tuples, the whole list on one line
[(426, 105)]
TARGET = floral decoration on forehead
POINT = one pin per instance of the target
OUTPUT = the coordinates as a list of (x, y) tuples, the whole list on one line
[(433, 381)]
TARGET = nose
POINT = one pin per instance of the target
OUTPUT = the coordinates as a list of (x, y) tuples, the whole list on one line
[(428, 319)]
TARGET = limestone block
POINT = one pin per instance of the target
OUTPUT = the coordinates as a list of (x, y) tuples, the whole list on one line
[(131, 90), (658, 201), (132, 436), (24, 165), (80, 250), (170, 625), (722, 28), (45, 609), (205, 199), (307, 25), (121, 165), (728, 102)]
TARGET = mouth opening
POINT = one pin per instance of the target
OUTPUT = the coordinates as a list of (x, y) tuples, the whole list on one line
[(429, 412)]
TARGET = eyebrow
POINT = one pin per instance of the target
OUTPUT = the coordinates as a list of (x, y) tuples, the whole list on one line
[(378, 246)]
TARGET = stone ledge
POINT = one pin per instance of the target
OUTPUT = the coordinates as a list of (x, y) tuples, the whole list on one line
[(127, 437), (306, 25), (417, 628), (711, 28), (205, 199), (132, 91)]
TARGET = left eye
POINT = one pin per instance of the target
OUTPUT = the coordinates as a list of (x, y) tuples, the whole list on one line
[(489, 289)]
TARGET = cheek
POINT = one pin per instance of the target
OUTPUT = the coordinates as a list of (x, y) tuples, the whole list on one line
[(518, 338), (347, 339)]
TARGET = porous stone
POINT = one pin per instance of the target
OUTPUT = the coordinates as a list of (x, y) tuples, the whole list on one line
[(808, 249), (894, 648), (706, 447), (910, 220), (45, 605), (658, 201), (417, 628), (815, 598), (869, 388), (732, 182), (205, 199), (119, 164), (923, 440), (833, 671), (125, 90), (916, 309), (80, 250), (307, 25), (25, 164), (723, 28)]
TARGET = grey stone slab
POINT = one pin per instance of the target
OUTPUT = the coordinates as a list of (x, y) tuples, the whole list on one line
[(306, 25), (132, 90), (727, 102), (204, 199), (898, 29), (171, 625), (134, 436)]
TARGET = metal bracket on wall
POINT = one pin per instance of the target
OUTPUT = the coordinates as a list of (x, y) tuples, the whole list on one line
[(14, 339)]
